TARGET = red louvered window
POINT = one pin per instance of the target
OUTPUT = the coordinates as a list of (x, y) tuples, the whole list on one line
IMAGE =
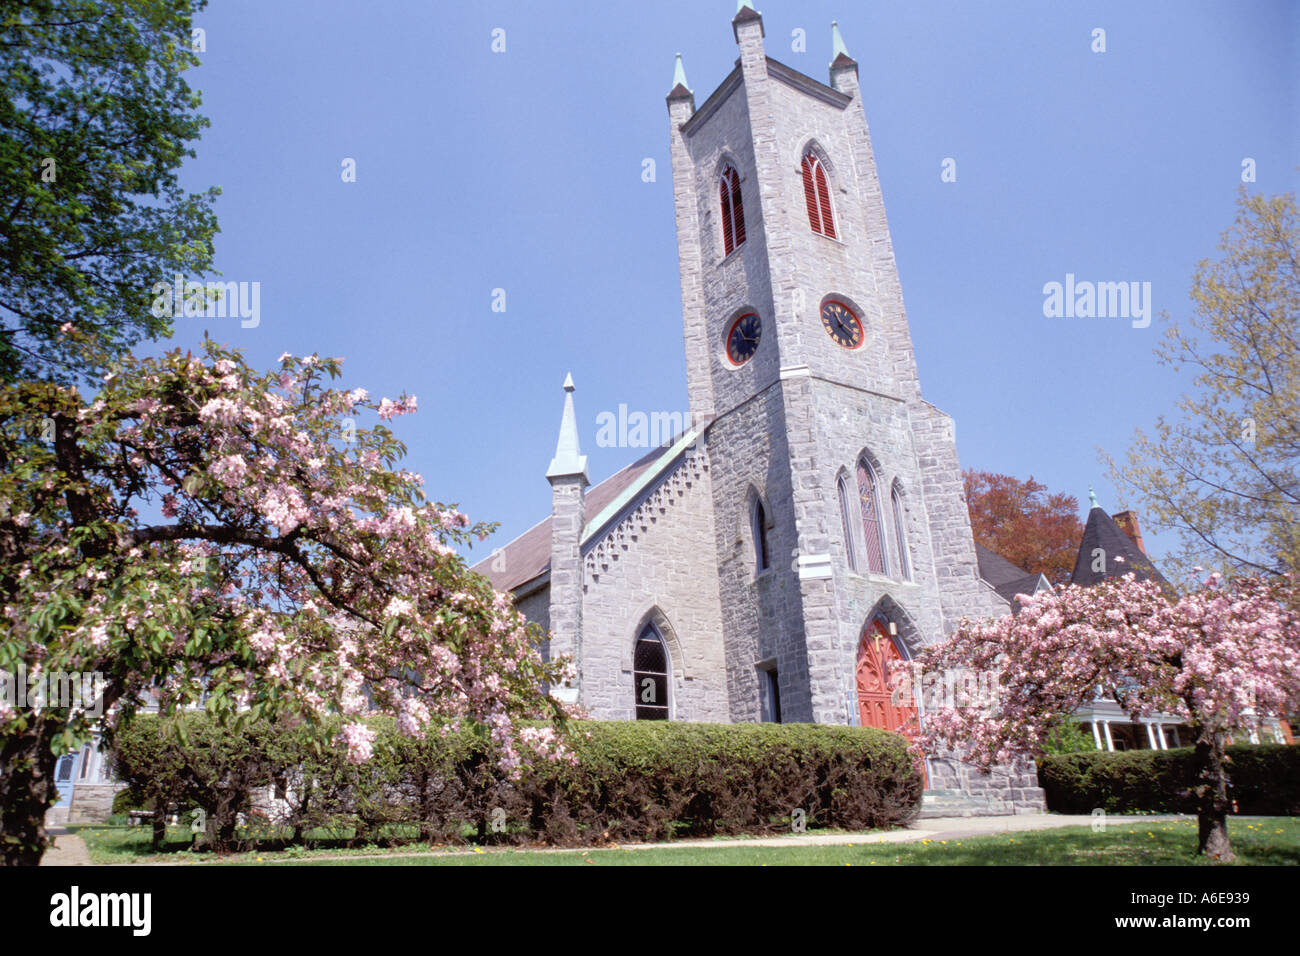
[(733, 211), (875, 545), (817, 196)]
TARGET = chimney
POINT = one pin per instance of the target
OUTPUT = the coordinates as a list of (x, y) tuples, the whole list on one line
[(1128, 523)]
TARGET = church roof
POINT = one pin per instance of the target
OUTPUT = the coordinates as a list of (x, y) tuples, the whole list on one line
[(1006, 578), (529, 555), (1120, 552)]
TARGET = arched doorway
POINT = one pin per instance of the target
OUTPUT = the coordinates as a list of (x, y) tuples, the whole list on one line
[(883, 703)]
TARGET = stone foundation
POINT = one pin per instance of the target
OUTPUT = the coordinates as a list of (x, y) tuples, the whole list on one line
[(959, 789), (92, 802)]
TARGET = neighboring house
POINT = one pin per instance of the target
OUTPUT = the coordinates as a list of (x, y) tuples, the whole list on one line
[(86, 787), (1112, 547)]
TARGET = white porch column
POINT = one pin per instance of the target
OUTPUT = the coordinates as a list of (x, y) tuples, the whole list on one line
[(1164, 741), (1151, 736), (1096, 735), (1110, 741)]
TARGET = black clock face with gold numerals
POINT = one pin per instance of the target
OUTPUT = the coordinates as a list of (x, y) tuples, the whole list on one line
[(742, 338), (841, 324)]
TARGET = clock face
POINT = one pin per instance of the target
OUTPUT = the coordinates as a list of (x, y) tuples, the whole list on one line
[(742, 338), (841, 324)]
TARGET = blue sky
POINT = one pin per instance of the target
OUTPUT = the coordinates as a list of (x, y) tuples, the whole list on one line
[(521, 171)]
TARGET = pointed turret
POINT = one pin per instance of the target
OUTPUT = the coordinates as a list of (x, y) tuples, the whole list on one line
[(844, 69), (569, 459), (1107, 552), (745, 14), (681, 92)]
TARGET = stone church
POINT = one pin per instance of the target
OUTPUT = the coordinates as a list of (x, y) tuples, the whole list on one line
[(809, 530)]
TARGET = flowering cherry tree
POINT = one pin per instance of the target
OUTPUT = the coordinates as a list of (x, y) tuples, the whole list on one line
[(201, 531), (1216, 657)]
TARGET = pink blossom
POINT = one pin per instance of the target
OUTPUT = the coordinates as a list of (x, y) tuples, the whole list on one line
[(398, 607), (389, 409), (359, 740), (230, 469)]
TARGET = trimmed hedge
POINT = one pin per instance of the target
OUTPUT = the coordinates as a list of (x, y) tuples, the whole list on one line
[(633, 781), (1263, 779)]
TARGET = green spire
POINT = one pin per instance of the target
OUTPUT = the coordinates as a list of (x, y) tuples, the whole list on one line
[(741, 4), (679, 74), (1092, 498), (569, 459), (837, 42)]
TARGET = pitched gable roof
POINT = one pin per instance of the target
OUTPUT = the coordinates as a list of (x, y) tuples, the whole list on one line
[(1008, 579), (1121, 554), (529, 555), (996, 569)]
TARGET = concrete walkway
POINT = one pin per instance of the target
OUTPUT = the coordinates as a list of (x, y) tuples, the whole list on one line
[(68, 849)]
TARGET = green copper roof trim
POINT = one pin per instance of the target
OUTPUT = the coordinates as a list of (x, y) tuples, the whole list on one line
[(1092, 498), (689, 437), (679, 75), (741, 4), (837, 42)]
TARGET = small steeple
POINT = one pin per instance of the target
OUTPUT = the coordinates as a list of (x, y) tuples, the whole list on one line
[(568, 459), (680, 88), (844, 69), (838, 49), (746, 13), (1092, 499)]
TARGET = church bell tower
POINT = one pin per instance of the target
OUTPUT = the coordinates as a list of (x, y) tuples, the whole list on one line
[(837, 491)]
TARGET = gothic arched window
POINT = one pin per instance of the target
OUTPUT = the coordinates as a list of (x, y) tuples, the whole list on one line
[(650, 675), (733, 211), (870, 519), (817, 196), (759, 519), (846, 522), (900, 534)]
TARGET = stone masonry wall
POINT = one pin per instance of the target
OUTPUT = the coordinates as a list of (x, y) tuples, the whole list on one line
[(656, 564), (761, 608)]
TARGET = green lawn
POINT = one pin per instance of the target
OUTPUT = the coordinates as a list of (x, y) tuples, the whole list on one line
[(1257, 840)]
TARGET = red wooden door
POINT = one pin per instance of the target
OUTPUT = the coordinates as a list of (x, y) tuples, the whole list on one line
[(878, 706)]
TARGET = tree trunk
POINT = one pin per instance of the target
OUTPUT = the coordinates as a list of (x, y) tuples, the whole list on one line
[(159, 823), (27, 791), (1212, 812)]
